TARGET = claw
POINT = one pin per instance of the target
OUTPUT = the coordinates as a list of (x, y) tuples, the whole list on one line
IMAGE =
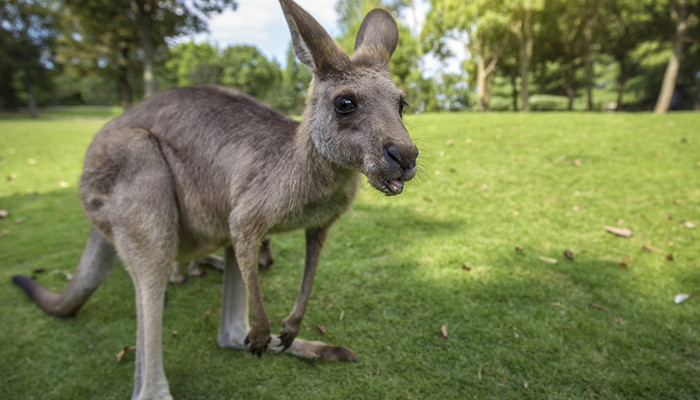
[(286, 341), (258, 351)]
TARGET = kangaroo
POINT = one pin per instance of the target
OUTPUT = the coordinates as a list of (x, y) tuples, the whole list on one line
[(190, 170), (265, 261)]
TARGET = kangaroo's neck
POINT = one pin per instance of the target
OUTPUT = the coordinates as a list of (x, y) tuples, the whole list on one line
[(324, 174)]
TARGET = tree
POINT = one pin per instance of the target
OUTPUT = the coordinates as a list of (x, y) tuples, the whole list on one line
[(190, 64), (521, 24), (482, 24), (27, 35), (295, 82), (246, 69), (683, 14), (172, 18), (97, 41), (623, 25)]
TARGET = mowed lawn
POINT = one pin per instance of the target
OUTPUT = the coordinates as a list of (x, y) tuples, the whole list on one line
[(476, 244)]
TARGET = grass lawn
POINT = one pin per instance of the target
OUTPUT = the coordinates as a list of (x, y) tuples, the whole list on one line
[(502, 194)]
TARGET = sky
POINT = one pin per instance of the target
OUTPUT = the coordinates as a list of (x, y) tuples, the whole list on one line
[(260, 23)]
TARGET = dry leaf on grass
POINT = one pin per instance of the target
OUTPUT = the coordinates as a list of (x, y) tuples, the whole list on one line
[(569, 255), (624, 232), (4, 233), (679, 298), (206, 314), (623, 265), (320, 328), (126, 349), (4, 213), (548, 260), (443, 331), (466, 267), (599, 307), (669, 257), (652, 249)]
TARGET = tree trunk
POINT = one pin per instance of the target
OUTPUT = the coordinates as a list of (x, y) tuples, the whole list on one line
[(621, 81), (663, 103), (514, 91), (481, 85), (588, 36), (125, 90), (145, 17), (124, 82), (697, 97), (31, 90), (525, 38), (571, 89)]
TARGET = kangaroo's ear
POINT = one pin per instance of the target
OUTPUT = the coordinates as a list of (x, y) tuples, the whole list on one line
[(312, 44), (378, 36)]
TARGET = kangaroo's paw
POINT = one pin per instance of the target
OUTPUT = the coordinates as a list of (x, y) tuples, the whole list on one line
[(287, 336), (258, 343)]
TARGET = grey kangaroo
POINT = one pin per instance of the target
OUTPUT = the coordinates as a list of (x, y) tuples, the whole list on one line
[(190, 170)]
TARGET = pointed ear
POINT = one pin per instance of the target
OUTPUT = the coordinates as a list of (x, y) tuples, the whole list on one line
[(378, 34), (312, 44)]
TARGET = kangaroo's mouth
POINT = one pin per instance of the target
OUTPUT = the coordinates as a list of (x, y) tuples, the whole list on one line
[(393, 186)]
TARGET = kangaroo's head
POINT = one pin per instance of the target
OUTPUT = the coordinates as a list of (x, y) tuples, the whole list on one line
[(354, 109)]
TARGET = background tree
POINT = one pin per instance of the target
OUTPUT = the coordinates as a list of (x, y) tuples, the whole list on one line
[(683, 13), (481, 24), (27, 37), (159, 20), (98, 41), (245, 68), (189, 63)]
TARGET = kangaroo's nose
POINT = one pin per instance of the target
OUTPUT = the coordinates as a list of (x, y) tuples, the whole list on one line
[(403, 158)]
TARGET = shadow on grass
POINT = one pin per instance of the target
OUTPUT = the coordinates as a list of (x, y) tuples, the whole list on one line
[(517, 327)]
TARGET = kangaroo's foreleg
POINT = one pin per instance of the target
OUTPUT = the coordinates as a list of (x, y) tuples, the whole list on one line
[(97, 261), (315, 238), (234, 325), (246, 250)]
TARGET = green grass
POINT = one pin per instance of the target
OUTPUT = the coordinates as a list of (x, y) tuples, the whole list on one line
[(518, 327)]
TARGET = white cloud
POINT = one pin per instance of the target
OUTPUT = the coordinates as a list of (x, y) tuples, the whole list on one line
[(261, 23)]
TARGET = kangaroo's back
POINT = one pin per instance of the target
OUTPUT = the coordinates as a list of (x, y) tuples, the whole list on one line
[(202, 115)]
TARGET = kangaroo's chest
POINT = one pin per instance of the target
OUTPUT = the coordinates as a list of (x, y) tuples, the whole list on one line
[(322, 211)]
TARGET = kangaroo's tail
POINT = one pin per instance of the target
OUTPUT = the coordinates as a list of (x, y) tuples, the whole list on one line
[(98, 259)]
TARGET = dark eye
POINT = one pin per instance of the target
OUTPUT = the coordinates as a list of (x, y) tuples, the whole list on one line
[(403, 104), (344, 105)]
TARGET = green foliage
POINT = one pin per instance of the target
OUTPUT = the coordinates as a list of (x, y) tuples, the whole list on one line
[(392, 272), (190, 64), (246, 69), (27, 38)]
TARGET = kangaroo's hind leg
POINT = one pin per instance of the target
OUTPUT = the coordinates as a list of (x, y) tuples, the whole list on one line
[(128, 192)]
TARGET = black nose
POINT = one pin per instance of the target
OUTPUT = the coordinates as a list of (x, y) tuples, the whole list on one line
[(405, 159)]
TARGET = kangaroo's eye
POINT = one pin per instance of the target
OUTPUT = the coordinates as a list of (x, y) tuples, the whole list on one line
[(403, 104), (344, 105)]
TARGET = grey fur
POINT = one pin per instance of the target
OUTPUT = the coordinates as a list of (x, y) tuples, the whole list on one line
[(190, 170)]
